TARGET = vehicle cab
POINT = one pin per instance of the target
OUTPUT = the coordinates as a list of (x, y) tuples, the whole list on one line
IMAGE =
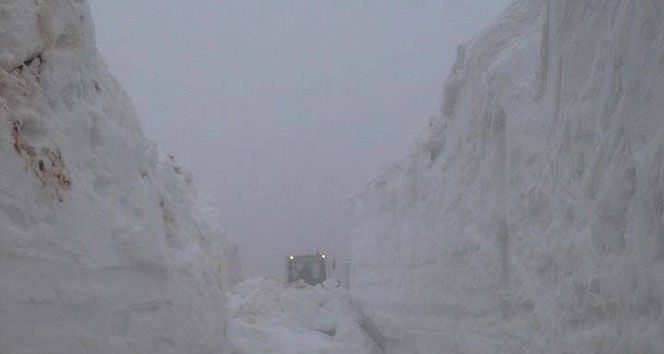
[(312, 268)]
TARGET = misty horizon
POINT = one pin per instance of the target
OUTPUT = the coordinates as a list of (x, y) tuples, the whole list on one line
[(282, 109)]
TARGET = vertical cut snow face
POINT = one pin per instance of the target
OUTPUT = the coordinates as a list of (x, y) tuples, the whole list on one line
[(104, 247), (269, 317), (530, 219)]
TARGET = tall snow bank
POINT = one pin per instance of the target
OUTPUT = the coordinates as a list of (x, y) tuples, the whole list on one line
[(104, 247), (269, 317), (530, 219)]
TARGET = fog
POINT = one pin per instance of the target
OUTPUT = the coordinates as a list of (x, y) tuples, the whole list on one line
[(281, 108)]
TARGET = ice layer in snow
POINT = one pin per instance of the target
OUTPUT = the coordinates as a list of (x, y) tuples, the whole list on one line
[(104, 247), (267, 316), (530, 218)]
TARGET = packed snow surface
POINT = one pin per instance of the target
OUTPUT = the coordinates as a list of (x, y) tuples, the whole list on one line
[(104, 247), (530, 218), (267, 316)]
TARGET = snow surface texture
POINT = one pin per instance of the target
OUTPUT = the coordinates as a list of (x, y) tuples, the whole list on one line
[(269, 317), (104, 247), (530, 219)]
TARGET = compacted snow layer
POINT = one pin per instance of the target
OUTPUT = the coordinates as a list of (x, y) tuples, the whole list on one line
[(530, 219), (104, 247), (269, 317)]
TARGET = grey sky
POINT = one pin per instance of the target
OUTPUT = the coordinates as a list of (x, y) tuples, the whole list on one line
[(281, 107)]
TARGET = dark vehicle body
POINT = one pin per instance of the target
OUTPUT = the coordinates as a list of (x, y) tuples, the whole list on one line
[(312, 269)]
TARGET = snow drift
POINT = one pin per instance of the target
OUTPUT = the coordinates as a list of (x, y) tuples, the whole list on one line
[(269, 317), (104, 247), (530, 219)]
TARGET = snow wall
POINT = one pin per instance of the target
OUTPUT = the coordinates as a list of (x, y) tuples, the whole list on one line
[(530, 218), (104, 247)]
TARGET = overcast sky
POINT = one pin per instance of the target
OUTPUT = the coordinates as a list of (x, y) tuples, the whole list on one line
[(281, 108)]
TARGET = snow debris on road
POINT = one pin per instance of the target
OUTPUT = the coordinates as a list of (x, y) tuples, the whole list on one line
[(267, 316)]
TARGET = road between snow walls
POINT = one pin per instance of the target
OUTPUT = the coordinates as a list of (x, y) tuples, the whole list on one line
[(104, 246), (530, 219)]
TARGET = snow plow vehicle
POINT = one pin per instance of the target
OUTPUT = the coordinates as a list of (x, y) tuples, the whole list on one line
[(312, 268)]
